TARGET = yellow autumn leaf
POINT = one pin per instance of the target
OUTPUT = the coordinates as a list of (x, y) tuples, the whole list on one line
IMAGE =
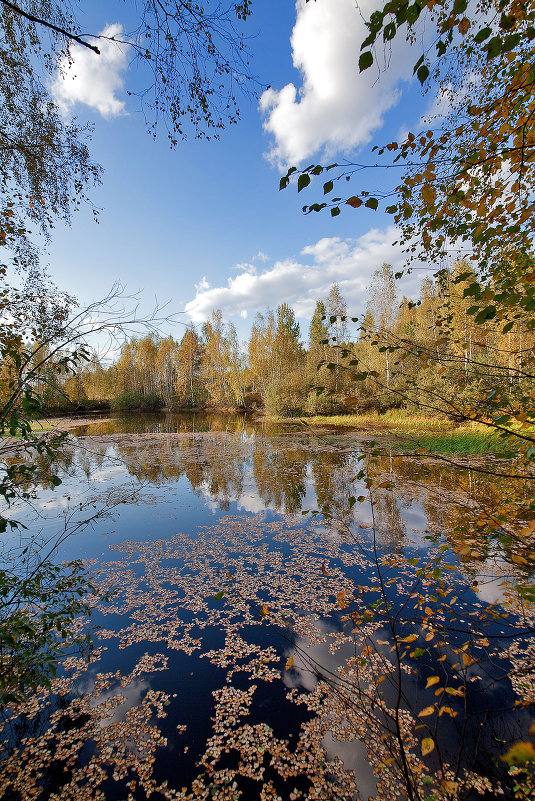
[(431, 680), (468, 660), (447, 710), (429, 710), (464, 27), (455, 691), (410, 638), (429, 194), (520, 753), (428, 610), (289, 663), (518, 560), (341, 600), (449, 787), (427, 745)]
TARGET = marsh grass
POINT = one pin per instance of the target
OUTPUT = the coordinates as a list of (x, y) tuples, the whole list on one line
[(394, 421), (434, 434), (463, 440)]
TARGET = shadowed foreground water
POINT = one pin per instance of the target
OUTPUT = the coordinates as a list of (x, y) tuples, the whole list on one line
[(223, 664)]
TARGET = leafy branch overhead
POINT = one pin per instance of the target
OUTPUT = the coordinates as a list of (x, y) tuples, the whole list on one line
[(468, 177), (193, 67)]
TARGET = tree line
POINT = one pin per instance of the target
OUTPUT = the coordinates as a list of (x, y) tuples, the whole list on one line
[(426, 353)]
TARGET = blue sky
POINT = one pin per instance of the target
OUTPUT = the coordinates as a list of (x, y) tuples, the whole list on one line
[(204, 226)]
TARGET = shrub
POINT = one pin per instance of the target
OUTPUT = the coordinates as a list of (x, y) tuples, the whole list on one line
[(137, 400)]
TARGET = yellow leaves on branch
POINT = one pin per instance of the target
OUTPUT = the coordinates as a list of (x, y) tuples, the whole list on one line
[(443, 710), (429, 194), (429, 710), (520, 753), (289, 663)]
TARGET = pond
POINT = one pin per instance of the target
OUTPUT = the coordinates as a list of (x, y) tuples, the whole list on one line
[(238, 655)]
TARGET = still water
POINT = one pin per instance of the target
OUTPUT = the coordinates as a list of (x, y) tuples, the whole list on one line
[(233, 550)]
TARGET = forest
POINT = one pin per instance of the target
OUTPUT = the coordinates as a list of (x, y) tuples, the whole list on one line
[(446, 355)]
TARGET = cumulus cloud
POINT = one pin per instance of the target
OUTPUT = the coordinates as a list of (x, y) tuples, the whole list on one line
[(245, 267), (203, 285), (336, 108), (301, 282), (95, 80)]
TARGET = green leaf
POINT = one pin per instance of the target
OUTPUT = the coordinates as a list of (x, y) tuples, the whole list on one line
[(423, 73), (485, 314), (389, 31), (219, 595), (302, 181), (335, 211), (413, 12), (507, 22), (372, 203), (365, 60), (327, 187), (483, 34), (510, 42), (494, 47)]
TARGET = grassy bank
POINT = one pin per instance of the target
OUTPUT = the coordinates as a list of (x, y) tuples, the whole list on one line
[(460, 441), (436, 435), (394, 422)]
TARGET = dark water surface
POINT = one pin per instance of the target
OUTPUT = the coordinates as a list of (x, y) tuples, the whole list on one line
[(189, 695)]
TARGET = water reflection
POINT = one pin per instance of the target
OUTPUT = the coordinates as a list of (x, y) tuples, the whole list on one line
[(238, 463), (234, 459), (169, 598)]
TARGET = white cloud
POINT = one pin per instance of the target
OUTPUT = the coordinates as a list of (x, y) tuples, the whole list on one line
[(349, 262), (203, 285), (245, 267), (336, 108), (447, 99), (92, 79)]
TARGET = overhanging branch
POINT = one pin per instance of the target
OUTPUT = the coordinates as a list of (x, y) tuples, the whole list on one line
[(50, 25)]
